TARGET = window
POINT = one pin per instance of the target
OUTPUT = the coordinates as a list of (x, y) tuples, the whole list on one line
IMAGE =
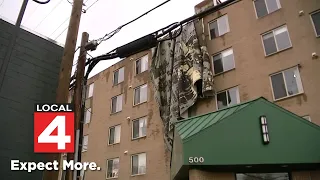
[(118, 76), (315, 17), (228, 97), (140, 94), (141, 64), (113, 168), (219, 27), (116, 104), (87, 117), (276, 40), (138, 164), (265, 7), (85, 143), (114, 134), (286, 83), (307, 118), (223, 61), (90, 90), (139, 128), (264, 176)]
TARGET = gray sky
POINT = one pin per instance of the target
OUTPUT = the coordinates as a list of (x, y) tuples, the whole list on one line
[(103, 17)]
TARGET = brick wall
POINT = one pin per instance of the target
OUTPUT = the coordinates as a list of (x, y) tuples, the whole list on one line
[(31, 76)]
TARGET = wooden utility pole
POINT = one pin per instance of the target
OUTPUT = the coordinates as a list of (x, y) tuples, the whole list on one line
[(71, 175), (65, 73)]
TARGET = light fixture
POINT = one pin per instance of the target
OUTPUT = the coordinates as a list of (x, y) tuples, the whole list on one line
[(314, 55), (301, 13), (264, 129)]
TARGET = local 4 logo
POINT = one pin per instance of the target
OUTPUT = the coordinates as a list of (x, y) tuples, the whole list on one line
[(54, 128)]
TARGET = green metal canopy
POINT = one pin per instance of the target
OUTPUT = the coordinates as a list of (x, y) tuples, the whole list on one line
[(234, 137)]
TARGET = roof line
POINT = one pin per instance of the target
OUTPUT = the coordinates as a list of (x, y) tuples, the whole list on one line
[(250, 101), (299, 118), (223, 119)]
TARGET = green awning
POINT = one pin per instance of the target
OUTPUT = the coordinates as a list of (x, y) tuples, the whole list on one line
[(234, 137)]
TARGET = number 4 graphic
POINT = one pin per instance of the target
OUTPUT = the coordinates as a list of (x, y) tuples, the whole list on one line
[(61, 139)]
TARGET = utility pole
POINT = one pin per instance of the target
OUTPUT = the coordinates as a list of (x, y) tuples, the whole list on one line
[(65, 73), (15, 34), (78, 92)]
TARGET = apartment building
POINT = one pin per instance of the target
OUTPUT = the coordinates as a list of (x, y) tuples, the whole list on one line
[(123, 129), (258, 48)]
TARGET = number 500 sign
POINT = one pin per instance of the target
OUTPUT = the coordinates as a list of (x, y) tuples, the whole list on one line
[(54, 128)]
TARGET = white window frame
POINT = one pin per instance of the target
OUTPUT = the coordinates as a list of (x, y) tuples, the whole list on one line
[(224, 71), (225, 91), (90, 90), (119, 81), (313, 25), (115, 128), (209, 30), (117, 103), (138, 167), (85, 146), (307, 117), (255, 9), (285, 83), (278, 51), (87, 116), (134, 94), (112, 168), (139, 119), (146, 58)]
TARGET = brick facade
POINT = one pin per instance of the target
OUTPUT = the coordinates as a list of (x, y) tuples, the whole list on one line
[(251, 74)]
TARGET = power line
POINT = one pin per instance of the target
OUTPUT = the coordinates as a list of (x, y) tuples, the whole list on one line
[(150, 40), (48, 14), (112, 33), (1, 3), (60, 26), (32, 13), (91, 5), (112, 55), (68, 18)]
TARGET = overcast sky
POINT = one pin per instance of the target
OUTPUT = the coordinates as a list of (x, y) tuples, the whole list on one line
[(104, 16)]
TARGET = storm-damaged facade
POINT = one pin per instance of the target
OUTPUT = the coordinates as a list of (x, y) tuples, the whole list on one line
[(232, 97)]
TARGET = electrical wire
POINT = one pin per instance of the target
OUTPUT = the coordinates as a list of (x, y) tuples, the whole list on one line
[(48, 14), (91, 5), (160, 34), (92, 63), (1, 3), (32, 13), (59, 26), (113, 55), (112, 33), (41, 2), (69, 18), (84, 4)]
